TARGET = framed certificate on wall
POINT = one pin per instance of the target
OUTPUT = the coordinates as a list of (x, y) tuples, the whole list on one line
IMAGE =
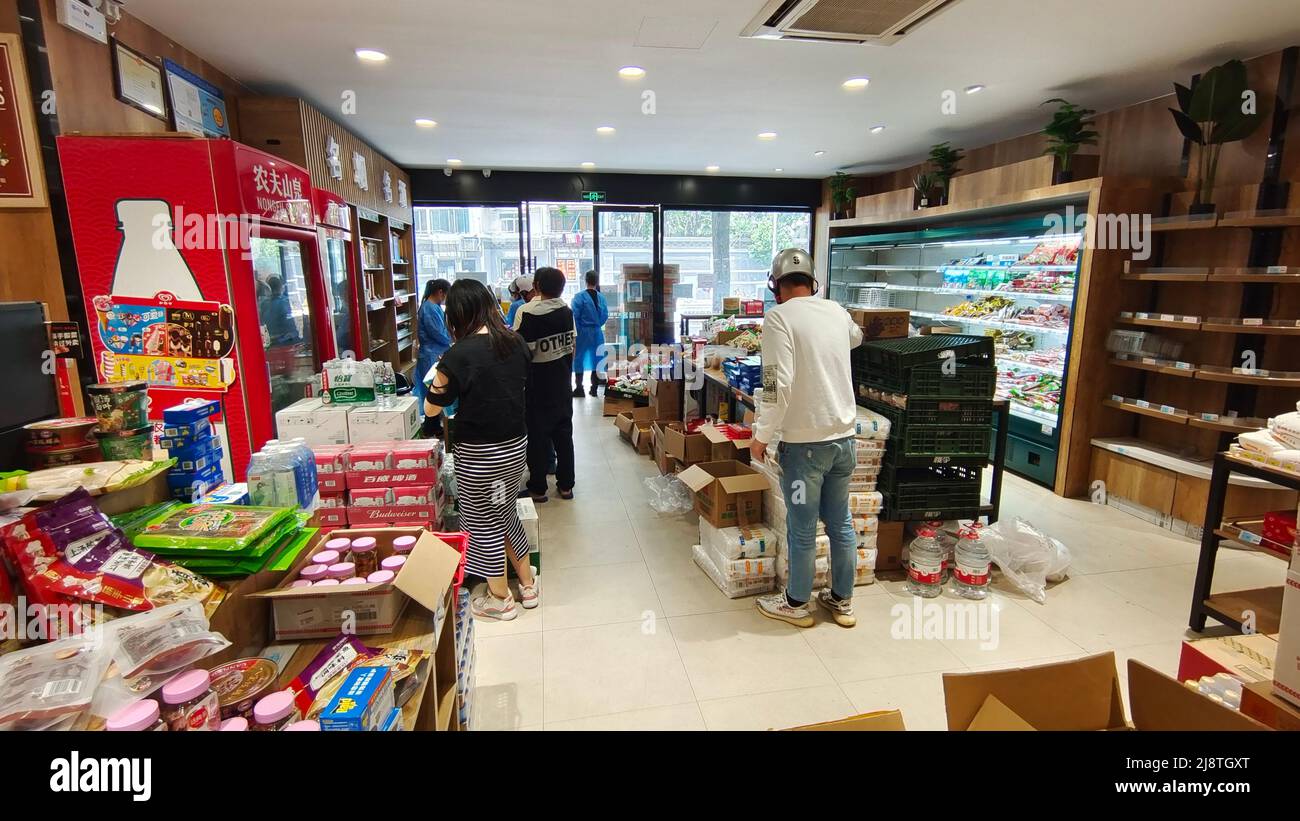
[(138, 81), (22, 179)]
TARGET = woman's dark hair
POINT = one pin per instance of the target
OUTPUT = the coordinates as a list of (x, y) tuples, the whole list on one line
[(550, 281), (470, 306), (593, 279), (435, 286)]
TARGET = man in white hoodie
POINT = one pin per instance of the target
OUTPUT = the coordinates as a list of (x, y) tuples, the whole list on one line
[(809, 409)]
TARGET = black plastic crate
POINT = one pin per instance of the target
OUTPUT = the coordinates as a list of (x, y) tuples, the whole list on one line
[(934, 492), (945, 442), (965, 381), (887, 361), (927, 411)]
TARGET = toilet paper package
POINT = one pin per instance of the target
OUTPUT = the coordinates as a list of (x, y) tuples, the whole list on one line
[(754, 541), (732, 588)]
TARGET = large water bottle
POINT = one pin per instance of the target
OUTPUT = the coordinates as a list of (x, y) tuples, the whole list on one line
[(261, 488), (313, 479), (390, 385), (925, 559), (292, 458), (271, 478), (970, 571)]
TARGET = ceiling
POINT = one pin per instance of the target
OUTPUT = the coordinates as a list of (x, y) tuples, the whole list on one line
[(524, 84)]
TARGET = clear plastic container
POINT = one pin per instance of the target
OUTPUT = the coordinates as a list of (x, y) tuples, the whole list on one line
[(274, 711), (393, 563), (365, 556), (327, 557), (190, 703), (381, 577), (403, 545), (314, 572), (970, 570), (238, 724), (925, 565), (341, 571)]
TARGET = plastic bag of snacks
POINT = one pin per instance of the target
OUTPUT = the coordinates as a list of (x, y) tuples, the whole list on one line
[(50, 685), (70, 547), (230, 528), (164, 640)]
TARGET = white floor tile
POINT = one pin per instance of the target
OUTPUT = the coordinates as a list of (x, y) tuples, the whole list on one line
[(601, 594), (777, 711), (744, 653), (508, 674), (874, 649), (919, 698), (677, 717)]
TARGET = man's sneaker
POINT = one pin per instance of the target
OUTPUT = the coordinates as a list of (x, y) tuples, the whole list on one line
[(487, 606), (593, 390), (841, 611), (775, 606), (578, 394), (531, 595), (538, 498)]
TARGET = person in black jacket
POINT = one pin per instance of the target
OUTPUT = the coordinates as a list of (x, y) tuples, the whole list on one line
[(546, 324)]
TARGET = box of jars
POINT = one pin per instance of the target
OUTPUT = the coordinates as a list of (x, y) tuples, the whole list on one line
[(359, 581)]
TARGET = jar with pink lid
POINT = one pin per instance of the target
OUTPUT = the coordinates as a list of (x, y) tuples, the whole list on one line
[(307, 726), (238, 724), (142, 715), (339, 545), (365, 555), (326, 583), (296, 583), (326, 557), (190, 703), (313, 572), (352, 581), (341, 571), (393, 563), (274, 712), (381, 577), (403, 545)]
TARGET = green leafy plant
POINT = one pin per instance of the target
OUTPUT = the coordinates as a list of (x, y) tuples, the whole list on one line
[(944, 159), (842, 192), (1219, 110), (1069, 130), (924, 183)]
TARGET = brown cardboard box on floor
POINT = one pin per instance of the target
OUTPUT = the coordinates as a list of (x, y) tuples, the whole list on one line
[(883, 721), (640, 438), (665, 398), (1249, 658), (614, 405), (1259, 702), (689, 448), (1160, 703), (889, 546), (1286, 669), (628, 420), (1082, 694), (882, 323), (727, 493), (723, 447)]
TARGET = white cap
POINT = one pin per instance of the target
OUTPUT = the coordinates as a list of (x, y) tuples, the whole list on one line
[(521, 284)]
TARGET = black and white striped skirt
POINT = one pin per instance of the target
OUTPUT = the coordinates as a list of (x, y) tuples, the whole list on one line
[(487, 482)]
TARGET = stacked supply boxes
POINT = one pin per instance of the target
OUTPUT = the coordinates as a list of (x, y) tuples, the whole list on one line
[(741, 561), (189, 438), (744, 373), (937, 393), (389, 484)]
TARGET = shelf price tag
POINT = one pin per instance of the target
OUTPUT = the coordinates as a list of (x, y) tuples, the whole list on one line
[(1142, 403), (1114, 397), (1253, 321), (1249, 537), (1168, 318), (1170, 409), (1184, 366), (1210, 417), (1276, 269)]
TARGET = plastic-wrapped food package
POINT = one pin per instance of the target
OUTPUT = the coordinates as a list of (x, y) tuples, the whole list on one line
[(732, 588), (822, 543), (821, 571), (865, 503), (51, 684), (871, 425), (741, 569), (753, 541), (71, 548), (164, 640), (230, 528)]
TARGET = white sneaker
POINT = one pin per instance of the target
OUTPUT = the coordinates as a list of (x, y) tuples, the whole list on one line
[(531, 595), (841, 611), (776, 606), (487, 606)]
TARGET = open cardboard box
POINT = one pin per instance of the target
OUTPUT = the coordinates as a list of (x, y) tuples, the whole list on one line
[(629, 420), (1161, 703), (1083, 694), (641, 436), (883, 721), (727, 493), (687, 448), (315, 612), (882, 323), (614, 405), (1249, 658), (665, 398), (722, 447), (1258, 701)]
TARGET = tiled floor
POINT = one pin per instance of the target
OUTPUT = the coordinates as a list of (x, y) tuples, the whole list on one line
[(631, 635)]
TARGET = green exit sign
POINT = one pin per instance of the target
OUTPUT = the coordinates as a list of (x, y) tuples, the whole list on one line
[(593, 196)]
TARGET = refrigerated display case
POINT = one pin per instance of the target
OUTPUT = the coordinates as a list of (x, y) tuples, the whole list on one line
[(1014, 281), (200, 268), (334, 225)]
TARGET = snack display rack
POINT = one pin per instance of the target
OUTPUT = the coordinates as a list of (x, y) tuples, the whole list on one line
[(1013, 281)]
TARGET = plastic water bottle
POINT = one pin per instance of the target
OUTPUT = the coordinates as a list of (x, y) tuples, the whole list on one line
[(970, 571), (271, 479), (313, 479), (925, 565)]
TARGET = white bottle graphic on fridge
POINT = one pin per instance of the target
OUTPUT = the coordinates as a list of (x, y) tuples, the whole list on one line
[(149, 261)]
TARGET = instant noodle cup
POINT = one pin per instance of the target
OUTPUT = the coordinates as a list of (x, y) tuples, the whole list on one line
[(60, 434), (126, 445), (119, 405), (43, 459)]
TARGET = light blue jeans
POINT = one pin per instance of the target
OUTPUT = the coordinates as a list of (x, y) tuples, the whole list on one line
[(815, 480)]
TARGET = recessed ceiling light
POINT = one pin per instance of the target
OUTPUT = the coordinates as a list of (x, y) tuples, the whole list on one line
[(589, 165), (605, 129), (369, 55), (818, 153), (453, 162), (975, 89), (425, 122), (876, 129), (767, 135), (856, 84), (712, 169), (778, 170), (631, 72)]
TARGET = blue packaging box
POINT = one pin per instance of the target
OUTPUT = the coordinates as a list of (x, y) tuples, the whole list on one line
[(197, 464), (364, 702), (186, 435), (195, 450), (195, 491), (210, 476), (190, 411), (394, 721), (228, 494)]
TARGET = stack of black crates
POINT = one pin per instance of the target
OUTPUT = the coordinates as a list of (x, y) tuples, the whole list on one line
[(937, 392)]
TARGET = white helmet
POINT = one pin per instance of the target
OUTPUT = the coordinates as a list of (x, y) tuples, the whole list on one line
[(791, 261), (520, 285)]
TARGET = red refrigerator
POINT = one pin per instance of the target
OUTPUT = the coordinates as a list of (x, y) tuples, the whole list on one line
[(201, 273), (338, 267)]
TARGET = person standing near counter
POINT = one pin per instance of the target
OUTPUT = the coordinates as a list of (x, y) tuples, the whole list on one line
[(434, 338), (590, 313), (521, 290), (546, 324), (486, 371)]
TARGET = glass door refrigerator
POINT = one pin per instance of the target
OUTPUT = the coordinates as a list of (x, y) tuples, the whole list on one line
[(1013, 281), (334, 227), (200, 270)]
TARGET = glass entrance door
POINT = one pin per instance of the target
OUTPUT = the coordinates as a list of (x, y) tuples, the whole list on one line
[(627, 257)]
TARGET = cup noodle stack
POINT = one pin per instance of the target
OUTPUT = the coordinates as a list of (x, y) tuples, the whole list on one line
[(380, 484)]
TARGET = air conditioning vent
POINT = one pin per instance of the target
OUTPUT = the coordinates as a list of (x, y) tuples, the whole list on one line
[(875, 22)]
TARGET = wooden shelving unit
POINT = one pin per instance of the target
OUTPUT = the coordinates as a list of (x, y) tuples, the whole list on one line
[(406, 298)]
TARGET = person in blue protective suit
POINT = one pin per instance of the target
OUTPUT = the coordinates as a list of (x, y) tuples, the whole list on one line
[(590, 313), (521, 291), (435, 339)]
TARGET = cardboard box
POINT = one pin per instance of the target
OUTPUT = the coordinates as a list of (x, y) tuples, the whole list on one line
[(244, 619), (665, 398), (641, 436), (1160, 704), (723, 447), (1286, 668), (1082, 694), (889, 721), (627, 421), (314, 612), (882, 323), (727, 493), (527, 511), (313, 420), (1249, 658), (117, 502), (372, 423), (687, 448), (1259, 702), (390, 514), (614, 405), (889, 546)]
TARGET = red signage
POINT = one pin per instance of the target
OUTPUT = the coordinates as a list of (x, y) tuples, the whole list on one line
[(274, 190), (333, 210), (15, 180)]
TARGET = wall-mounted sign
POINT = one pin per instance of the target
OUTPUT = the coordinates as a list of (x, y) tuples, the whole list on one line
[(65, 339), (274, 190), (388, 187), (198, 107), (138, 81), (21, 182), (403, 199), (332, 157), (593, 196), (359, 174)]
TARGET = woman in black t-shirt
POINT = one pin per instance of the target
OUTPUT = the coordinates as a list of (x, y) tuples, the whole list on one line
[(484, 372)]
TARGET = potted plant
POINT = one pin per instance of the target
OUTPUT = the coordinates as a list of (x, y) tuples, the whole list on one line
[(924, 183), (944, 159), (1069, 130), (1211, 115), (843, 196)]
